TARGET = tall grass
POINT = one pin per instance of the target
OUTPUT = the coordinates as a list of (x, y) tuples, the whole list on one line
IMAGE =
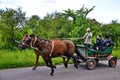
[(13, 59), (25, 58)]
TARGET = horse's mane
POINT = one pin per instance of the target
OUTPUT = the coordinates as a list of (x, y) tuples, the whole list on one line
[(42, 38), (33, 35)]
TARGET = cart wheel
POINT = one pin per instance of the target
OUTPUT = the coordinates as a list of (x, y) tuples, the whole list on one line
[(112, 62), (91, 64)]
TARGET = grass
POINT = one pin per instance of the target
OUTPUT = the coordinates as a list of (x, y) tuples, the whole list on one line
[(14, 59), (116, 52), (26, 58)]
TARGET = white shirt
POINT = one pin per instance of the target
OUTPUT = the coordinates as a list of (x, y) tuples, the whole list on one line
[(88, 37)]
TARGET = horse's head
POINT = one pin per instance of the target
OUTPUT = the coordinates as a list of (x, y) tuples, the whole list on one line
[(27, 41)]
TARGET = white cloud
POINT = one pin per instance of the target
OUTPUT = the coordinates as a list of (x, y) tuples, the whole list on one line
[(105, 17), (41, 7)]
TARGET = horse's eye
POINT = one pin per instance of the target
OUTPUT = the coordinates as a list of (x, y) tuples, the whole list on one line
[(27, 41)]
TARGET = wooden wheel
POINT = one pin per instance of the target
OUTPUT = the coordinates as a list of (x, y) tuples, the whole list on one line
[(91, 64), (112, 62)]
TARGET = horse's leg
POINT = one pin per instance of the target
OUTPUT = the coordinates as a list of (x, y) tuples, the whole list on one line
[(37, 58), (66, 63), (52, 68), (48, 63), (74, 60)]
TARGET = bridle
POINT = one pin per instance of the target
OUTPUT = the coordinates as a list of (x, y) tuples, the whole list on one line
[(31, 43)]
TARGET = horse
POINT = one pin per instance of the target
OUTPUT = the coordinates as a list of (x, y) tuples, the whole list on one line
[(49, 49)]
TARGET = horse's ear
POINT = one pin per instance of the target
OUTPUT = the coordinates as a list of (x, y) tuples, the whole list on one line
[(32, 35), (26, 35)]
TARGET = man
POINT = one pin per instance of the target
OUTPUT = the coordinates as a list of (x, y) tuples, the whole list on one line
[(87, 37)]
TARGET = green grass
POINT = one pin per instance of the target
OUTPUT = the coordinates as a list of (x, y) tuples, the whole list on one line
[(116, 52), (26, 58), (13, 59)]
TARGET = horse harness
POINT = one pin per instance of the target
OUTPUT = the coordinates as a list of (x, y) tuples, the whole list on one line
[(47, 48)]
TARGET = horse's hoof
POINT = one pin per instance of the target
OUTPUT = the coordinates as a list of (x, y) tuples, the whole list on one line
[(66, 66), (33, 68), (76, 66), (51, 74)]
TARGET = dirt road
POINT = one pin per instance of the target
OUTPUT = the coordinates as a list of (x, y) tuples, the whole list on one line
[(101, 72)]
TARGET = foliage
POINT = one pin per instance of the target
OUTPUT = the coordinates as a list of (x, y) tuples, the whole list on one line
[(11, 20), (113, 31), (67, 24)]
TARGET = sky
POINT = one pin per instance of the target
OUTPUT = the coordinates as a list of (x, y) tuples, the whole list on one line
[(104, 12)]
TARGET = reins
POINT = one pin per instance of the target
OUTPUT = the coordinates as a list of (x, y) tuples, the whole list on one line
[(70, 38)]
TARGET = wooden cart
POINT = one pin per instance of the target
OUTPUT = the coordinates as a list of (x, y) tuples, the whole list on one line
[(92, 57)]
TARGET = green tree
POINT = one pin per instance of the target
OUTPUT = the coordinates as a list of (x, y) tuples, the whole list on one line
[(112, 30), (32, 25), (11, 20), (80, 21)]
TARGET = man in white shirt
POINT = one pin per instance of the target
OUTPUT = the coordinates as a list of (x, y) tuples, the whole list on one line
[(87, 37)]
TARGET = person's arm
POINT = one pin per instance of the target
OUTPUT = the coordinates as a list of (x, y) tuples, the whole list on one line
[(84, 36)]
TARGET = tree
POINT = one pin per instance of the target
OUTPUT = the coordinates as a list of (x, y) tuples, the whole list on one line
[(11, 20), (80, 21), (112, 30), (32, 24)]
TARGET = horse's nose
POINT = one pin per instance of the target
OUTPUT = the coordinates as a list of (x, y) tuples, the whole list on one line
[(20, 46)]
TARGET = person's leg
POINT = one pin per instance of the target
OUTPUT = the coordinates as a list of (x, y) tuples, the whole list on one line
[(87, 45)]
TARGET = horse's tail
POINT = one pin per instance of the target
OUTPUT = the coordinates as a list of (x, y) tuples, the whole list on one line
[(79, 55)]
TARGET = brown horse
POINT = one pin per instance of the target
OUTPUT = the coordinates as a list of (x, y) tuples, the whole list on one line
[(49, 49)]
